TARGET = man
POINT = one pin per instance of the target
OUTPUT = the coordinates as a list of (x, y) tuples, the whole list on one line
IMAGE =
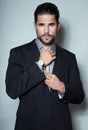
[(44, 94)]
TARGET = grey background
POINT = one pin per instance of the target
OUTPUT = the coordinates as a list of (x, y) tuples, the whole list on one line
[(16, 28)]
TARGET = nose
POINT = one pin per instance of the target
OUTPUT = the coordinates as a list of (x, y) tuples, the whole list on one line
[(46, 29)]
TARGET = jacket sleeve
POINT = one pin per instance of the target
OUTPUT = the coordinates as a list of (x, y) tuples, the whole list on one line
[(74, 92), (19, 80)]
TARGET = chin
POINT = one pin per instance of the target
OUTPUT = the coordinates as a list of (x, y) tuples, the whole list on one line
[(47, 42)]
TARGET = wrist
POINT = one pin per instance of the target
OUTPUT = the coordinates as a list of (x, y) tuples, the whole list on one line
[(62, 87)]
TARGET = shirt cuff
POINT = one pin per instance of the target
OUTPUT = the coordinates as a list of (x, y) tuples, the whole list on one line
[(61, 94)]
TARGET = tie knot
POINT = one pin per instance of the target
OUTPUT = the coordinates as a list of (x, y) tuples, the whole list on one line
[(44, 47)]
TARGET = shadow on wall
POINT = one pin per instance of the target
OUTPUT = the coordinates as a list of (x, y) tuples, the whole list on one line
[(81, 108), (63, 39), (63, 35), (76, 111)]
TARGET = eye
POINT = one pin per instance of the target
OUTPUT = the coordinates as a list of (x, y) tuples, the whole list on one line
[(52, 24), (40, 24)]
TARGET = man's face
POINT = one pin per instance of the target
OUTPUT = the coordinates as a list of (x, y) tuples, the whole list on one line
[(46, 28)]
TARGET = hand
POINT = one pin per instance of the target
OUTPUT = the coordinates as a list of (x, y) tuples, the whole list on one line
[(47, 55), (54, 82)]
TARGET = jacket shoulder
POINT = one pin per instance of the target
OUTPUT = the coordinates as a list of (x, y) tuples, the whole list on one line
[(23, 47), (65, 53)]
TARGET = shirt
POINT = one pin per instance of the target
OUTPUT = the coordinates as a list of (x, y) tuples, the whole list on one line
[(51, 65)]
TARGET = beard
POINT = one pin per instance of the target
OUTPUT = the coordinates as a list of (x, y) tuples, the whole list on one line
[(46, 39)]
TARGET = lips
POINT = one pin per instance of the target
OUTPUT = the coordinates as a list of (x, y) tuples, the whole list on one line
[(46, 36)]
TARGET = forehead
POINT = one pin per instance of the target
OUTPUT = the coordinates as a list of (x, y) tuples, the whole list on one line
[(46, 17)]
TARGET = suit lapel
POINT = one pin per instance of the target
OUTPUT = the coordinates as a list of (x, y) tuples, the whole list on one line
[(58, 69), (31, 54), (34, 52)]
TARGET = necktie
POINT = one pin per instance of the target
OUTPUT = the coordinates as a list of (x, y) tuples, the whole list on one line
[(47, 69)]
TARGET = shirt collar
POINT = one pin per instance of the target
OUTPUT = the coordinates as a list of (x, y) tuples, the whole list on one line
[(40, 45)]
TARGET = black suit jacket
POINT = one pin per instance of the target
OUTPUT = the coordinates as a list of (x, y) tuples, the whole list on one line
[(39, 108)]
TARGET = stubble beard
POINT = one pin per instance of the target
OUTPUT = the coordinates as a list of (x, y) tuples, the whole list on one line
[(46, 41)]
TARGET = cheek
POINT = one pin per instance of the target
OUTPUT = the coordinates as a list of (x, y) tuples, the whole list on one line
[(53, 32), (39, 31)]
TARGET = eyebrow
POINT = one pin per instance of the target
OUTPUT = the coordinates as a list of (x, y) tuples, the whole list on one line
[(51, 24)]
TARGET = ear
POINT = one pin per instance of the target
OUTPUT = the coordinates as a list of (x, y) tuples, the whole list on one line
[(59, 26)]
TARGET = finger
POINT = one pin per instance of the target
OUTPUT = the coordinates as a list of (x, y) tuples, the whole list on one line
[(48, 76), (46, 73), (50, 51), (47, 82), (53, 54), (53, 57), (46, 49)]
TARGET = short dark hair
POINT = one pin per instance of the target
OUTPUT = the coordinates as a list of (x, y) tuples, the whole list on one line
[(47, 8)]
